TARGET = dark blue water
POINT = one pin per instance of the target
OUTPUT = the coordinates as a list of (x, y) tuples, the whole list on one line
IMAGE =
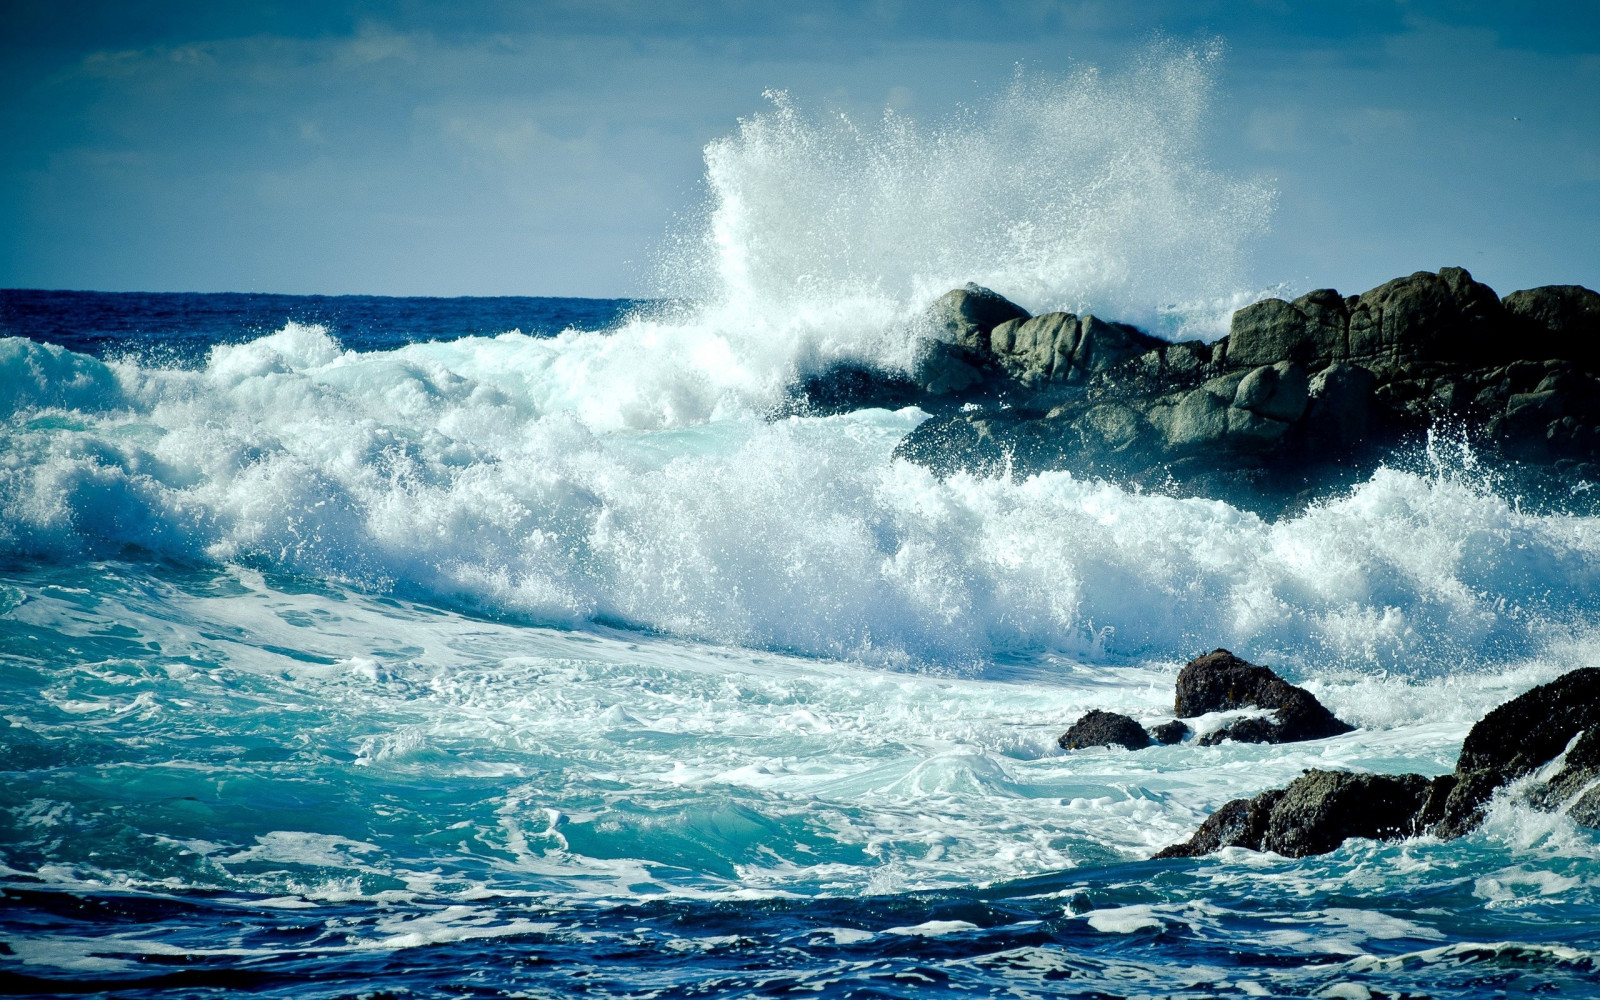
[(183, 325), (399, 658)]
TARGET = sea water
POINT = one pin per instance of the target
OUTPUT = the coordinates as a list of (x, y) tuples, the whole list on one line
[(394, 647)]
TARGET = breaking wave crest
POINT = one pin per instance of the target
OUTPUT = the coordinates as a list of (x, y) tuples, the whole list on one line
[(463, 473), (1089, 192)]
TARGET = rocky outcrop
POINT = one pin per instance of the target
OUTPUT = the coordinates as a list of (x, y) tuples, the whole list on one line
[(1299, 396), (1060, 348), (1104, 729), (1222, 682), (1554, 722)]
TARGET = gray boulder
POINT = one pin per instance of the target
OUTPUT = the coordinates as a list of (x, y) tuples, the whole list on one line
[(1276, 392), (1310, 330), (1427, 317), (1037, 350), (954, 330), (965, 317), (1103, 345)]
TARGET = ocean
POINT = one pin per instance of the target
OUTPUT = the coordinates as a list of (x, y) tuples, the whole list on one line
[(389, 647)]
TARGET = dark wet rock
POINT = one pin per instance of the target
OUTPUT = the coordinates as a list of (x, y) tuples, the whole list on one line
[(948, 369), (1561, 321), (1300, 398), (1314, 815), (1558, 721), (846, 388), (1169, 733), (1222, 682), (1104, 729), (1522, 736), (1533, 728), (1340, 405), (1240, 823), (1322, 809)]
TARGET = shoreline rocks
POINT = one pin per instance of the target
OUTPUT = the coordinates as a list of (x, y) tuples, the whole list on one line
[(1316, 813), (1300, 395)]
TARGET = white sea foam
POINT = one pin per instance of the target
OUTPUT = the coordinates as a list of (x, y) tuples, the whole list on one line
[(1084, 192), (454, 472)]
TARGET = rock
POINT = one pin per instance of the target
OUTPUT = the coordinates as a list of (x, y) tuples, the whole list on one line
[(1319, 810), (1277, 392), (1240, 823), (1222, 682), (1531, 729), (1104, 729), (1314, 815), (1443, 317), (1517, 739), (1112, 427), (1103, 346), (1300, 397), (1322, 809), (1310, 330), (1563, 321), (966, 316), (1199, 419), (945, 369), (1038, 350), (1186, 357), (848, 387), (1169, 733), (1340, 405)]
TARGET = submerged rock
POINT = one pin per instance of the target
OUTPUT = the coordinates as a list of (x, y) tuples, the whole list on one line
[(1222, 682), (1169, 733), (1104, 729), (846, 388)]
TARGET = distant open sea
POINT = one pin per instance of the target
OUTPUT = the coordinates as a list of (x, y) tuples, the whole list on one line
[(371, 647)]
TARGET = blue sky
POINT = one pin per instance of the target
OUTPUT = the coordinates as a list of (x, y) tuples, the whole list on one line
[(545, 148)]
